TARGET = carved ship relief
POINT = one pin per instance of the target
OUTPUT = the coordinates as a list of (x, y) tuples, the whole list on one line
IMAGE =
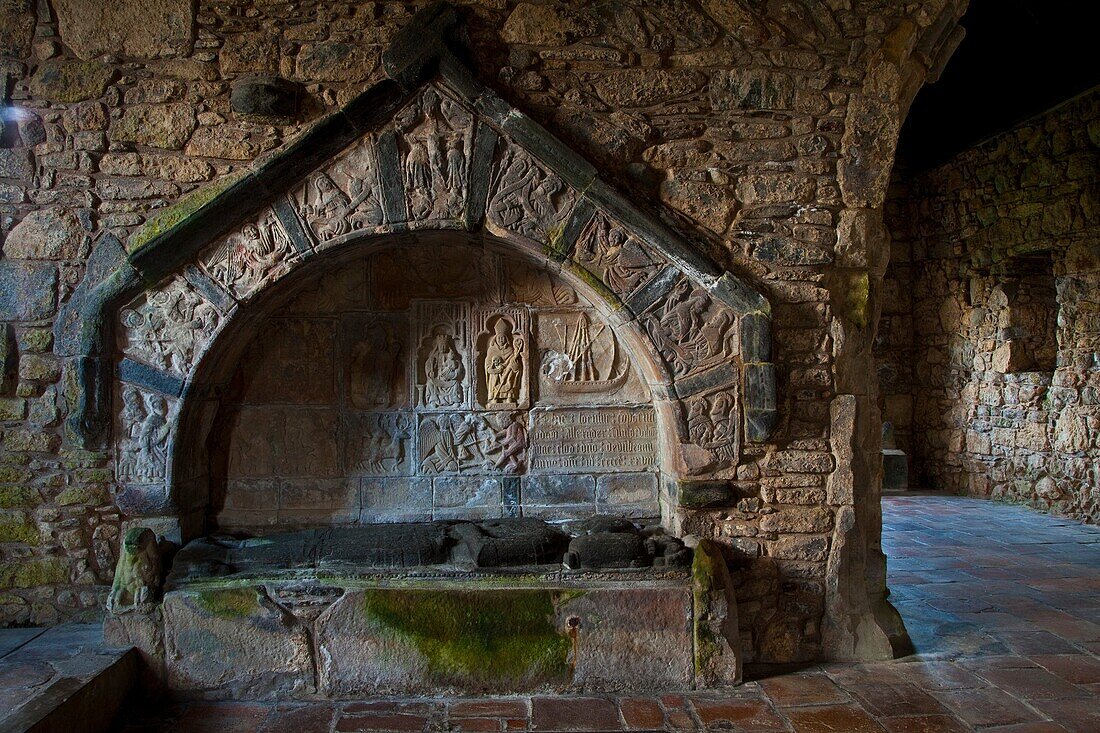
[(576, 369)]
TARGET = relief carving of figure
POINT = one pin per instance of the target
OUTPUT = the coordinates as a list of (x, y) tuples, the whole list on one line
[(143, 451), (326, 210), (528, 200), (170, 326), (620, 261), (504, 363), (455, 443), (246, 258), (712, 424), (376, 375), (382, 440), (443, 372), (435, 139), (687, 334), (138, 573)]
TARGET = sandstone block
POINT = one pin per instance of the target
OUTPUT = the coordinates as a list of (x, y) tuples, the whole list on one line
[(751, 89), (160, 126), (46, 234), (17, 19), (646, 87), (545, 25), (28, 290), (334, 61), (70, 81), (138, 28)]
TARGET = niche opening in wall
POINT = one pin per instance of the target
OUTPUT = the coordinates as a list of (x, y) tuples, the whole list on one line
[(1028, 319)]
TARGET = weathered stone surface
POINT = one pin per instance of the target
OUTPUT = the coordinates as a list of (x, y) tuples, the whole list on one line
[(16, 163), (28, 290), (265, 96), (234, 643), (751, 89), (70, 81), (334, 61), (645, 87), (716, 636), (159, 126), (46, 234), (17, 18), (138, 28), (154, 165), (545, 25)]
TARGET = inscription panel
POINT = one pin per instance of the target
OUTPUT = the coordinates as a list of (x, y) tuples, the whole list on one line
[(592, 439)]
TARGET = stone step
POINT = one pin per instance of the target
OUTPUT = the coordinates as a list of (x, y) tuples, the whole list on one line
[(61, 679)]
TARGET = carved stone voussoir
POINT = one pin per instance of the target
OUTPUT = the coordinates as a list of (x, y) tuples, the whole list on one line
[(169, 327), (527, 201), (435, 139), (691, 330), (618, 259), (343, 198), (251, 257)]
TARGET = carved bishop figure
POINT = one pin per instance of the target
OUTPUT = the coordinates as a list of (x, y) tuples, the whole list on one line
[(503, 364)]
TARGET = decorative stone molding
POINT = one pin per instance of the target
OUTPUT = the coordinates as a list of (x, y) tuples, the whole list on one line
[(428, 149)]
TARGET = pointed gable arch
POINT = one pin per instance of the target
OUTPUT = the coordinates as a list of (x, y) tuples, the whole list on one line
[(429, 149)]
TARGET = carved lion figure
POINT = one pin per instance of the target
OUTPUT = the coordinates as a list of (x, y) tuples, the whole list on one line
[(138, 574)]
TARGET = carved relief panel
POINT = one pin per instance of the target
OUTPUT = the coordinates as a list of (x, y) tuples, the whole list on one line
[(345, 197), (434, 272), (378, 443), (581, 361), (534, 286), (443, 373), (293, 360), (435, 139), (525, 199), (258, 252), (615, 257), (473, 443), (692, 332), (714, 424), (169, 327), (503, 361), (144, 431), (375, 355)]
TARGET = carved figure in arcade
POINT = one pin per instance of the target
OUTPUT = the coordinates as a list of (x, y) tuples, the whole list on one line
[(138, 574), (712, 424), (443, 373), (504, 364), (435, 134), (528, 200), (167, 329), (688, 333), (617, 259), (143, 452), (243, 261)]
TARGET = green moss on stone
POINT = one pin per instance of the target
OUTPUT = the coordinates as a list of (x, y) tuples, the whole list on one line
[(33, 573), (87, 495), (18, 527), (704, 580), (229, 603), (15, 496), (178, 212), (595, 283), (484, 637)]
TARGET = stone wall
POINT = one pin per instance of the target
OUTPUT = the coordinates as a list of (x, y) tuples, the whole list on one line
[(988, 351), (764, 130)]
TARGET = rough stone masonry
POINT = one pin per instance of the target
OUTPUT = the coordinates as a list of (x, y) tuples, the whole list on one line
[(764, 132)]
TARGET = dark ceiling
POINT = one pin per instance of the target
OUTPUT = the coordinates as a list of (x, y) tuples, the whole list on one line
[(1019, 58)]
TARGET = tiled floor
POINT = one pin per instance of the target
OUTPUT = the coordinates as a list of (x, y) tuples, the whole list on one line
[(1002, 603)]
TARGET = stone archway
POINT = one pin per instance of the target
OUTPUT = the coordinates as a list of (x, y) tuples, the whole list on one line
[(442, 155)]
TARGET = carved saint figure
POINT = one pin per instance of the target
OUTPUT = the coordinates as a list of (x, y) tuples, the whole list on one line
[(528, 201), (144, 448), (619, 261), (503, 364), (712, 424), (443, 372), (138, 573), (513, 445), (435, 158), (457, 443)]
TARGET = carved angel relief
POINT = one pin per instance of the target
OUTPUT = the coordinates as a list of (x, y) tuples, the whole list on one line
[(617, 259), (503, 381), (170, 327), (435, 137), (442, 355), (477, 443), (346, 197), (527, 200), (145, 429), (691, 331), (245, 259)]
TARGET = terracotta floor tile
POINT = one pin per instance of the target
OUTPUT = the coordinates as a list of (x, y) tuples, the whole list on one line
[(300, 719), (986, 706), (488, 708), (223, 717), (372, 722), (680, 720), (937, 675), (925, 724), (832, 719), (574, 714), (792, 690), (1080, 715), (742, 715), (1027, 728), (1032, 684), (642, 713)]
